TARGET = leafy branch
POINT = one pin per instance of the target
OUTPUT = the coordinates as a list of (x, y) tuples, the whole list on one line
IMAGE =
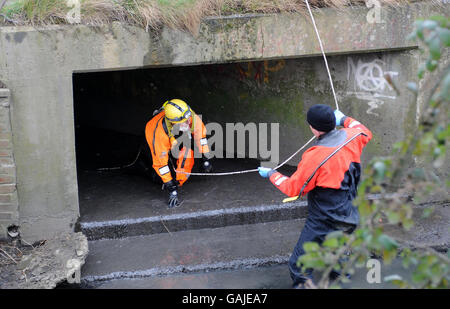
[(426, 145)]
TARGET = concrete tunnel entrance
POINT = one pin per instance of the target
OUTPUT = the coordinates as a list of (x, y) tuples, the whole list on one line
[(112, 109)]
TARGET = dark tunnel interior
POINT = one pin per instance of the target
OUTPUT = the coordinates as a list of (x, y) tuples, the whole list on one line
[(111, 110)]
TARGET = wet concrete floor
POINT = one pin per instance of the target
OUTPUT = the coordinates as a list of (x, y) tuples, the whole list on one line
[(267, 277), (123, 194)]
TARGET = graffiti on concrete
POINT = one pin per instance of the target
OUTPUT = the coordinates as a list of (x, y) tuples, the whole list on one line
[(369, 82), (259, 70)]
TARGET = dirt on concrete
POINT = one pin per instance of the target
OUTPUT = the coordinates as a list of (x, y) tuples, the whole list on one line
[(432, 231), (43, 265)]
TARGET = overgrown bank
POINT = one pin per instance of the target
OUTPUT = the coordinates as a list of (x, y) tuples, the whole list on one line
[(152, 14)]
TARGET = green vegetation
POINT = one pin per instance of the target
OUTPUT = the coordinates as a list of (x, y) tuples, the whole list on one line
[(398, 175), (152, 14)]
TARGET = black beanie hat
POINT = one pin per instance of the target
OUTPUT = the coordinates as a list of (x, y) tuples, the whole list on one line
[(321, 117)]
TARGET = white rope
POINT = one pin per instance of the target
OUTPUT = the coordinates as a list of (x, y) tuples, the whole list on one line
[(119, 167), (212, 174), (252, 170), (301, 148), (335, 101), (219, 174), (323, 54)]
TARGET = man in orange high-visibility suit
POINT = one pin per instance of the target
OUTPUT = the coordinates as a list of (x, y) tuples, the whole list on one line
[(175, 116), (329, 172)]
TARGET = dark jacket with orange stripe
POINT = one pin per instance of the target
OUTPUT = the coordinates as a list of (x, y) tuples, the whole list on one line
[(333, 186), (157, 136)]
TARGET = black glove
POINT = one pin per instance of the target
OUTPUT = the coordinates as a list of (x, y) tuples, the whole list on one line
[(206, 163), (171, 187), (173, 199)]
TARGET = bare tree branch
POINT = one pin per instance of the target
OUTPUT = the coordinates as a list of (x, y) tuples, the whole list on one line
[(6, 253)]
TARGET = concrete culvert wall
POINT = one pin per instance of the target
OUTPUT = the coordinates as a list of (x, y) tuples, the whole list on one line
[(241, 69), (112, 109)]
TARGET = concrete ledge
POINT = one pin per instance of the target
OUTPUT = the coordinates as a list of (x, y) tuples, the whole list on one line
[(192, 221), (232, 247), (83, 48)]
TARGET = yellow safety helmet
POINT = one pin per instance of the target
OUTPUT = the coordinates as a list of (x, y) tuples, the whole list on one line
[(177, 111)]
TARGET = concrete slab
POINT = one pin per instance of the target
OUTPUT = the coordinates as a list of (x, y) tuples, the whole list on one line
[(234, 247), (117, 204), (433, 231), (120, 195), (268, 277), (237, 248)]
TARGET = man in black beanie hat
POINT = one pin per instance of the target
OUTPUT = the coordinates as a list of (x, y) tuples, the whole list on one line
[(321, 117), (329, 173)]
